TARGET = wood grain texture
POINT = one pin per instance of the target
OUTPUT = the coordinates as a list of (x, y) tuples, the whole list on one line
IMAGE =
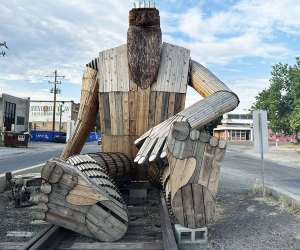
[(204, 81), (89, 106)]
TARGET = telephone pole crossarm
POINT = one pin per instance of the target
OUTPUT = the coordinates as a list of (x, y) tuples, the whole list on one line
[(55, 92)]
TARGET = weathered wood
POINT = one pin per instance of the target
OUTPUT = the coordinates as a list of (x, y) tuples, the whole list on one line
[(192, 177), (68, 224), (67, 213), (180, 130), (171, 75), (144, 47), (41, 207), (87, 112), (204, 81), (194, 134), (38, 198), (46, 188), (38, 216)]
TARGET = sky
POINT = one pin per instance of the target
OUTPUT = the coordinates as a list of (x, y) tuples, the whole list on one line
[(239, 41)]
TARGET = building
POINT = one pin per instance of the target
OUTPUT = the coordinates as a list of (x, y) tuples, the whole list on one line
[(41, 115), (14, 113), (239, 127), (235, 127)]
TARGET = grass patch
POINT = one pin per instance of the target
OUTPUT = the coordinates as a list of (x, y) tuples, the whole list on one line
[(280, 202)]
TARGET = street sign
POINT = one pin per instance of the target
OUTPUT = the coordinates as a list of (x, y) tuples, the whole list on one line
[(260, 131)]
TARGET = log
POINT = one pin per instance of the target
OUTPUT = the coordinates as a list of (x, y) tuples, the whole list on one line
[(82, 194), (120, 167), (190, 181)]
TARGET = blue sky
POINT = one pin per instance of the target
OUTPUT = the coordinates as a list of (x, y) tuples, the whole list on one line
[(239, 41)]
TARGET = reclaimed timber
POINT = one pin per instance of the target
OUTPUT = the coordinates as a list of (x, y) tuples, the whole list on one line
[(190, 181), (89, 106), (38, 215), (77, 193), (38, 198), (41, 207), (46, 188), (120, 167), (171, 74), (204, 81), (210, 108), (143, 51)]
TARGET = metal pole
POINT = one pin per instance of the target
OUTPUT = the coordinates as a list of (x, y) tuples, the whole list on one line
[(261, 153), (54, 103), (60, 113)]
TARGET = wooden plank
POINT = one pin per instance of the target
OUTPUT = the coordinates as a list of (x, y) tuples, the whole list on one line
[(125, 107), (152, 105), (177, 207), (206, 165), (188, 206), (171, 104), (101, 112), (215, 171), (198, 199), (158, 108), (82, 195), (107, 119), (132, 112), (165, 106), (66, 212), (113, 114), (209, 204), (101, 72), (119, 112), (185, 70), (167, 231), (68, 224), (177, 107)]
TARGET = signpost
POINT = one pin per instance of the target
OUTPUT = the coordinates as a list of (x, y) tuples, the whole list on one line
[(261, 145)]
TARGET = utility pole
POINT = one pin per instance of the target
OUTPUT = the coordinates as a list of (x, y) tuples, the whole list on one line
[(54, 93)]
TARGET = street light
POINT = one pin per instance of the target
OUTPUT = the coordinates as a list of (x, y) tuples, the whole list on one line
[(60, 113)]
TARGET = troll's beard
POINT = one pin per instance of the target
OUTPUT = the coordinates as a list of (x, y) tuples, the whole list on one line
[(143, 48)]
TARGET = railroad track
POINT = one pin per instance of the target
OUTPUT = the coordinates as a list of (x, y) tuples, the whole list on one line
[(149, 228)]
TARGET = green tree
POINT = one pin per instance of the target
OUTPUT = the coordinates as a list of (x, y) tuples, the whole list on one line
[(209, 128), (282, 99)]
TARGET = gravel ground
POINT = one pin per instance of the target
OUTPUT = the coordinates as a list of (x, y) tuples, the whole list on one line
[(247, 222), (16, 219)]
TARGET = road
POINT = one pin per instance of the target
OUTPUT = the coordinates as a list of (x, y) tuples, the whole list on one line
[(37, 153), (248, 168)]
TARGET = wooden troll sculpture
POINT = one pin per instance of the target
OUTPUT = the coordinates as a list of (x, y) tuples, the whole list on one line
[(139, 90)]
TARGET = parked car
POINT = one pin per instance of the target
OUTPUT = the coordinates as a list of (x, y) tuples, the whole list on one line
[(60, 138), (100, 141)]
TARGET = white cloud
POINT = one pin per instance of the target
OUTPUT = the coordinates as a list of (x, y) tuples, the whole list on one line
[(47, 35)]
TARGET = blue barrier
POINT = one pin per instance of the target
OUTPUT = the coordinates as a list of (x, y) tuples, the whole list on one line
[(93, 136), (48, 136)]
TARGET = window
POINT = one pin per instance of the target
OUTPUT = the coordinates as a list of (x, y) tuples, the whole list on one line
[(20, 120), (9, 115)]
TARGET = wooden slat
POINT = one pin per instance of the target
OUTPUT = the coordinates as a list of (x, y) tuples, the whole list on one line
[(107, 119)]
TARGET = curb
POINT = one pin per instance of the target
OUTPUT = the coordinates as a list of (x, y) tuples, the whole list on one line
[(32, 169), (279, 193)]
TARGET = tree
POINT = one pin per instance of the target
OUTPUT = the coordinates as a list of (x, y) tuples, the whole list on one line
[(282, 99), (209, 127)]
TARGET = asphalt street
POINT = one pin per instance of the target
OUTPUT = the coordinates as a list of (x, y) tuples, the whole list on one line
[(36, 153)]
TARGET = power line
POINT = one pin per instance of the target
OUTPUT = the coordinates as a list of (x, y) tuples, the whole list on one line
[(55, 92)]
